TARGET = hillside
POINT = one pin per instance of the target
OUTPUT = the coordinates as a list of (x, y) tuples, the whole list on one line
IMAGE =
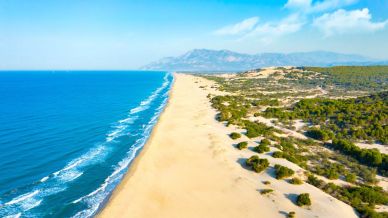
[(225, 60)]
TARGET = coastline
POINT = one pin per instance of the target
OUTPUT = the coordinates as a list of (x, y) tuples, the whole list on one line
[(189, 168), (133, 166)]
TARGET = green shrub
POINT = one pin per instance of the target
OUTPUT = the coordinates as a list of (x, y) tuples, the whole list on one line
[(303, 200), (242, 145), (266, 182), (291, 214), (257, 164), (266, 191), (296, 181), (235, 135), (318, 134), (283, 172), (277, 154), (257, 129), (261, 148), (265, 142), (351, 177)]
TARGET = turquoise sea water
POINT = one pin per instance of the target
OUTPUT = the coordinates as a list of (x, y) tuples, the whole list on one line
[(67, 138)]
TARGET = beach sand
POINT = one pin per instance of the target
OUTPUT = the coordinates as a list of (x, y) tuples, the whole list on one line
[(190, 168)]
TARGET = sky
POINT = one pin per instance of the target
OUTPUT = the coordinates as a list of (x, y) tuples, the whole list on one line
[(127, 34)]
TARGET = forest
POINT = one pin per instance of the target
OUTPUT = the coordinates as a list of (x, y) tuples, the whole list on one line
[(362, 118)]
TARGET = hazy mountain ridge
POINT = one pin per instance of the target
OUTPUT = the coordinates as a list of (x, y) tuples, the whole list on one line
[(225, 60)]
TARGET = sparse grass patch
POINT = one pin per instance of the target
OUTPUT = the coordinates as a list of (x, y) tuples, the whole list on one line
[(296, 181)]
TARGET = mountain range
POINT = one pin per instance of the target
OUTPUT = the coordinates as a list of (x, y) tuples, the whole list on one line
[(225, 60)]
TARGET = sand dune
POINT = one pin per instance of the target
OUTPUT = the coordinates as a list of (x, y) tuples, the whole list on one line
[(190, 168)]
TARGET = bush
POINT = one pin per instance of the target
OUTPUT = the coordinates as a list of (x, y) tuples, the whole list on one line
[(266, 182), (265, 142), (235, 135), (303, 200), (296, 181), (242, 145), (318, 134), (369, 157), (277, 154), (266, 191), (257, 129), (257, 164), (283, 172), (291, 214), (261, 148), (351, 177)]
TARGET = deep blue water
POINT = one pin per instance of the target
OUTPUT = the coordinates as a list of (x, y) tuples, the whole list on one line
[(66, 138)]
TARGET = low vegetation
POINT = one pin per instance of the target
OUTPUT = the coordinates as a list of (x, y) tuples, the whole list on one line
[(303, 200), (242, 145), (363, 118), (235, 135), (266, 191), (296, 181), (257, 164), (283, 172), (363, 198), (370, 157), (338, 107), (291, 214)]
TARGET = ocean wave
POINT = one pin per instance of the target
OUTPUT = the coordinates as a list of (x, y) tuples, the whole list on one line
[(145, 104), (96, 197), (22, 197), (58, 181), (44, 179), (14, 215)]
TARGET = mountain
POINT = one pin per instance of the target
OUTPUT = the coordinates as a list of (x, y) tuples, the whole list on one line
[(225, 60)]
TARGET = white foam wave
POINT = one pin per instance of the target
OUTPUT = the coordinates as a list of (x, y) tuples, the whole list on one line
[(90, 157), (33, 203), (96, 197), (70, 176), (14, 216), (145, 104), (44, 179), (49, 185), (22, 197)]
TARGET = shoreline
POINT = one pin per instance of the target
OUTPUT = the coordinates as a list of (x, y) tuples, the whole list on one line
[(190, 168), (133, 166)]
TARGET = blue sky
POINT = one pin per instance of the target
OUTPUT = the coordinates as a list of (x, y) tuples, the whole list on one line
[(126, 34)]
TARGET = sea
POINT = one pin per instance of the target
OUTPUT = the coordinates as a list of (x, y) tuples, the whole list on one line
[(68, 137)]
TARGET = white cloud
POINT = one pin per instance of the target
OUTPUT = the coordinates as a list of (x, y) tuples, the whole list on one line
[(298, 4), (251, 28), (238, 28), (342, 21), (307, 6), (290, 24)]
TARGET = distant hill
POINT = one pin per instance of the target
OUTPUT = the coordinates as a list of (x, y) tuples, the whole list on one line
[(225, 60)]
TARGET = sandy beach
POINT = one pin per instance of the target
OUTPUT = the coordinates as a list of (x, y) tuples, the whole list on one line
[(191, 168)]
